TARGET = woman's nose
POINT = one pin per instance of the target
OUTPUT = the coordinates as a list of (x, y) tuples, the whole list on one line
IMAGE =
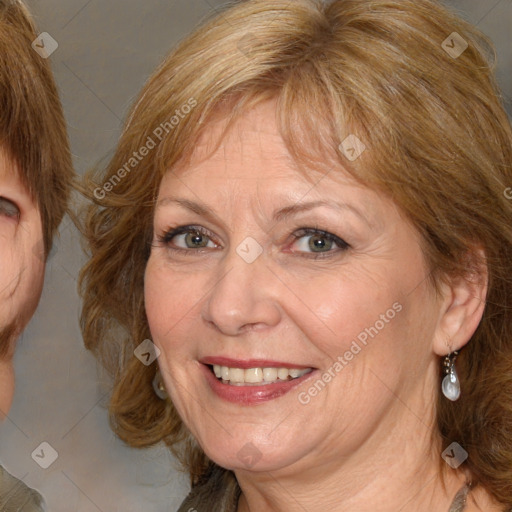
[(245, 295)]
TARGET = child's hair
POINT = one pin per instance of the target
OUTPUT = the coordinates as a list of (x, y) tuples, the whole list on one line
[(32, 126)]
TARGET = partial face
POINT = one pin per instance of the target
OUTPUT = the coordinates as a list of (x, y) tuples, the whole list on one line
[(288, 328), (21, 268)]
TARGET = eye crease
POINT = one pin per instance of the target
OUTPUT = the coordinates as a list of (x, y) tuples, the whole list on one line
[(9, 209), (195, 235)]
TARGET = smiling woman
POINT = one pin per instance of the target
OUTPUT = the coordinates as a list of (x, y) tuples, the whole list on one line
[(328, 221)]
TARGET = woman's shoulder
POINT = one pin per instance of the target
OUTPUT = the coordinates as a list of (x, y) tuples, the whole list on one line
[(16, 496), (218, 491)]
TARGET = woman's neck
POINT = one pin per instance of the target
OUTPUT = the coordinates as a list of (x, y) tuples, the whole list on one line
[(396, 470), (421, 491)]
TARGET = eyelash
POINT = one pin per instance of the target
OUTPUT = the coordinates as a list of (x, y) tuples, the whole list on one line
[(166, 240)]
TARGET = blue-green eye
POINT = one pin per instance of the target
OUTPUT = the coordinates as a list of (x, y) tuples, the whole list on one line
[(317, 241), (193, 237), (312, 242), (9, 209)]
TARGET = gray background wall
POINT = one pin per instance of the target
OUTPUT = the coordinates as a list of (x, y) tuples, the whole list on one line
[(107, 49)]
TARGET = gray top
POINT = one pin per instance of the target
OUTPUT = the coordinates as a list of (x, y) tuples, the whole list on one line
[(218, 491), (15, 496)]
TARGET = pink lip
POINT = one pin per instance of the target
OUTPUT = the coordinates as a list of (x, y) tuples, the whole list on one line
[(250, 363), (251, 395)]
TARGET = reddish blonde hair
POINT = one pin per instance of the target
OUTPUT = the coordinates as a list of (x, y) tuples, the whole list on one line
[(439, 143)]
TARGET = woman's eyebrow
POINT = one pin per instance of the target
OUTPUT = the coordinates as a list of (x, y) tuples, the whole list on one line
[(279, 215), (294, 209), (201, 209)]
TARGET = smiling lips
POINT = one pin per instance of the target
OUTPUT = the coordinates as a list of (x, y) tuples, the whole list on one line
[(256, 376), (249, 382)]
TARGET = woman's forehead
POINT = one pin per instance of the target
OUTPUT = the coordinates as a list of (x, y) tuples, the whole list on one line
[(254, 134), (256, 124)]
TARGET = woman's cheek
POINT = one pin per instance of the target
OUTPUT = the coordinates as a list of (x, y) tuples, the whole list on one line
[(154, 308), (162, 299)]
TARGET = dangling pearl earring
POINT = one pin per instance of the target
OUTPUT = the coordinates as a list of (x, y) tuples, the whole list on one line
[(451, 383), (158, 386)]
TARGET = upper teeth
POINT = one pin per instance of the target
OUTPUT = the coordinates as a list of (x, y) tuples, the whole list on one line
[(240, 376)]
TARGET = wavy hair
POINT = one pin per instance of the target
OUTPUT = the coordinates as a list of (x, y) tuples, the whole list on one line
[(439, 143)]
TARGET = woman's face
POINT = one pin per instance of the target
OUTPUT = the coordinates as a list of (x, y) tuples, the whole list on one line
[(21, 268), (252, 286)]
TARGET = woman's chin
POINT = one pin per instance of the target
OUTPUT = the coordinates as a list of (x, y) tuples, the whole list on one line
[(250, 454), (249, 458)]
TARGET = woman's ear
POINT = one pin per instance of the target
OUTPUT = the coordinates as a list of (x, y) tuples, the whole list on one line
[(462, 305)]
